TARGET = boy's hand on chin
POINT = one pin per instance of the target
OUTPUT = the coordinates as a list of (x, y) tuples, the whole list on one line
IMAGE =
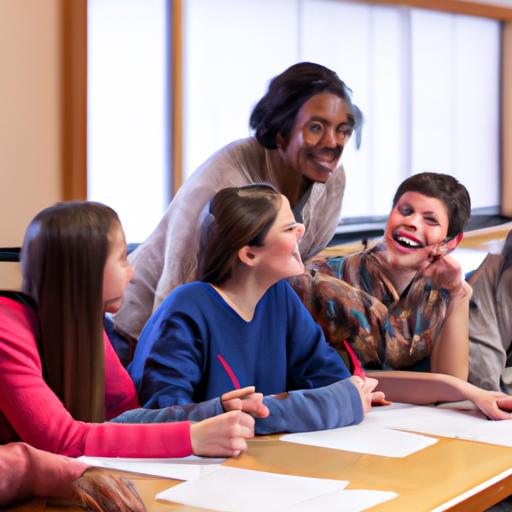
[(446, 272)]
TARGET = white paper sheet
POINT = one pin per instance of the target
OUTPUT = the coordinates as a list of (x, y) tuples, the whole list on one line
[(232, 489), (463, 424), (372, 436), (186, 468), (347, 501)]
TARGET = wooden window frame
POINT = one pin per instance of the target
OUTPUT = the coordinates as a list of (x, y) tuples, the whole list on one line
[(73, 99)]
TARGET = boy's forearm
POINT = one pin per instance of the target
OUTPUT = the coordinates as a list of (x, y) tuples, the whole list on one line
[(450, 354), (421, 388)]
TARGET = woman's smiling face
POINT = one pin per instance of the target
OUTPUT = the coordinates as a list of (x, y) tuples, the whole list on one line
[(321, 129), (415, 222)]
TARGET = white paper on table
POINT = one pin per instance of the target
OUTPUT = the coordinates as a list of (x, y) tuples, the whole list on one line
[(432, 420), (455, 423), (353, 500), (367, 437), (233, 489), (186, 468)]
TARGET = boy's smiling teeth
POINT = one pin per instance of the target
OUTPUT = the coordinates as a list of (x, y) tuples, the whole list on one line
[(407, 242)]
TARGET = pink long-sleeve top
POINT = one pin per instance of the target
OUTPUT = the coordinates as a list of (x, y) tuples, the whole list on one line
[(31, 412)]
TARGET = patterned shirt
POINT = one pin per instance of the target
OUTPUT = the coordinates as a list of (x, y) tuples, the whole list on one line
[(353, 298)]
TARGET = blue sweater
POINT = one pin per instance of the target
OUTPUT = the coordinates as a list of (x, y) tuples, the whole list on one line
[(196, 347)]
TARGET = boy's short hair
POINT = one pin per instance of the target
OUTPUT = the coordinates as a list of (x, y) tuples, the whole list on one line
[(445, 188)]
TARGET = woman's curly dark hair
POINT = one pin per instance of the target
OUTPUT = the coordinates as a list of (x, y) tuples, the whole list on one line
[(275, 113)]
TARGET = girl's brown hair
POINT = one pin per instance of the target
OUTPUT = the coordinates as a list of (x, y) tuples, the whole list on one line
[(63, 258), (238, 216)]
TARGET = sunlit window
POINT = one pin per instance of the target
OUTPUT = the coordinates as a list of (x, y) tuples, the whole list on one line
[(128, 110), (427, 82)]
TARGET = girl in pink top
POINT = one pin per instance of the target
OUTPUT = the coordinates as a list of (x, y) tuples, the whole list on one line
[(59, 375)]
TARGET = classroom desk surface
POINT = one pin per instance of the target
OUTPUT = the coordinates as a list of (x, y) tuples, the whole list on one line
[(424, 480)]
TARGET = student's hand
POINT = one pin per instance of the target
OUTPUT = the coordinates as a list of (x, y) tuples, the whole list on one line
[(379, 399), (376, 397), (368, 396), (246, 400), (494, 404), (222, 436), (445, 272), (505, 403), (434, 262)]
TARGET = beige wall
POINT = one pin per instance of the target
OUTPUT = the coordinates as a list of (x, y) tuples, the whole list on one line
[(30, 113)]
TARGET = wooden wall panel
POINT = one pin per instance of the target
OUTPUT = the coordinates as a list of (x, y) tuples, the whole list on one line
[(506, 122)]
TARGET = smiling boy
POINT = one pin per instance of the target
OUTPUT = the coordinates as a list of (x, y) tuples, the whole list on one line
[(403, 303)]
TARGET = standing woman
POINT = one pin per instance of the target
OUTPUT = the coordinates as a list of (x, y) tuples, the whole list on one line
[(301, 127), (59, 375)]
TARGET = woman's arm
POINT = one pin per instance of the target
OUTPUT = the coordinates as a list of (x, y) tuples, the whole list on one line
[(428, 388)]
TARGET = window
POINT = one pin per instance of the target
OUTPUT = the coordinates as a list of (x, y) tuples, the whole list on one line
[(427, 82), (128, 110)]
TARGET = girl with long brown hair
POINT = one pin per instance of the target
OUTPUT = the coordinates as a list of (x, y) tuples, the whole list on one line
[(59, 375)]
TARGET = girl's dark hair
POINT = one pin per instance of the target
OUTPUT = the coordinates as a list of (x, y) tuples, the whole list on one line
[(445, 188), (238, 216), (275, 113), (62, 259)]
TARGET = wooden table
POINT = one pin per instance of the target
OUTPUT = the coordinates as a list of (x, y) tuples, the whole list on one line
[(424, 480)]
